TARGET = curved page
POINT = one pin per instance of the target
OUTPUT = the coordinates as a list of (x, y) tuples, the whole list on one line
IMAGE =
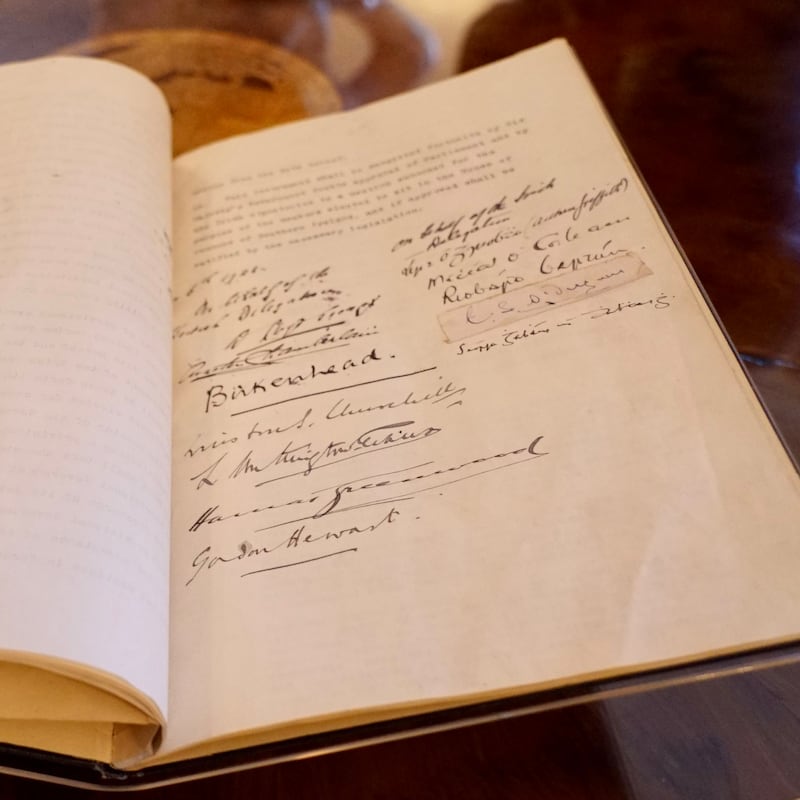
[(85, 383)]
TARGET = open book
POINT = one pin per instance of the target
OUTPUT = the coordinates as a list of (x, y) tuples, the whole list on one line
[(400, 408)]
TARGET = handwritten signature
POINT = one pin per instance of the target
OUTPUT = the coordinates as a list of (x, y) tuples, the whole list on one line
[(299, 540)]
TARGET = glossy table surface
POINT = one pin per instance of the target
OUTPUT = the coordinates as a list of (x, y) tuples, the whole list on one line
[(706, 95)]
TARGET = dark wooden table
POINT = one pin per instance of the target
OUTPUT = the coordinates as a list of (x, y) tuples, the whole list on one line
[(707, 96)]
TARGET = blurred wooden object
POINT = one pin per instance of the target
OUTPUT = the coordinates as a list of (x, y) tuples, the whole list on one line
[(218, 84), (397, 49)]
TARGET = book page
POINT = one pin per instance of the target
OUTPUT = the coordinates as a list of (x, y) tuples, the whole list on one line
[(85, 383), (451, 417)]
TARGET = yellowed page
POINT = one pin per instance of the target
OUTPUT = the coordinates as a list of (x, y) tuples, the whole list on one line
[(451, 416), (85, 386), (45, 710)]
